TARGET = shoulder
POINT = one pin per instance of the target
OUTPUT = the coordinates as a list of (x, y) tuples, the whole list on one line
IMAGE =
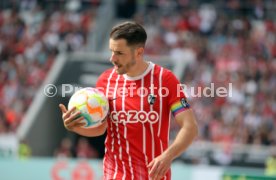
[(167, 74), (102, 79), (162, 70), (106, 73), (169, 79)]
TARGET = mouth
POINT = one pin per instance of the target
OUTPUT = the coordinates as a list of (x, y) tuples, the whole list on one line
[(116, 66)]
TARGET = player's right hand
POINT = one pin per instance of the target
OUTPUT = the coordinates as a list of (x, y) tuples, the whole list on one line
[(71, 118)]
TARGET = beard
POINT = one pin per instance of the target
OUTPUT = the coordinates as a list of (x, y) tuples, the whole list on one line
[(123, 69)]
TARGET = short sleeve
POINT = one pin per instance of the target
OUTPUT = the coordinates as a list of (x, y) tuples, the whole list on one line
[(102, 81), (177, 100), (100, 84)]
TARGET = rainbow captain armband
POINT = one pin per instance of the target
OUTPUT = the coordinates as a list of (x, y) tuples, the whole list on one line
[(180, 106)]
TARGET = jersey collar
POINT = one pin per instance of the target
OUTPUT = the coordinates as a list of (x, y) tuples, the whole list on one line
[(141, 75)]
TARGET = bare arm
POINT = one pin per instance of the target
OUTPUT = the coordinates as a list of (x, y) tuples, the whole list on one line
[(91, 132), (73, 123), (187, 133), (185, 136)]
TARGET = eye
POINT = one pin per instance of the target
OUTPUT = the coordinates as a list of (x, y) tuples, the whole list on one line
[(118, 53)]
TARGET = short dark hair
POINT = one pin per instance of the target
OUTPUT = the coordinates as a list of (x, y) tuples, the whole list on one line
[(132, 32)]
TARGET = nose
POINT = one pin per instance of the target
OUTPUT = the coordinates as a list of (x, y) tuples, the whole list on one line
[(112, 58)]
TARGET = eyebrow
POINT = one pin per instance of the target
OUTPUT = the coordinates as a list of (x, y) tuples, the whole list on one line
[(116, 51)]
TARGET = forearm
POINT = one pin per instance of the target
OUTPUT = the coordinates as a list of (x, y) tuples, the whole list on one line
[(184, 138), (91, 132)]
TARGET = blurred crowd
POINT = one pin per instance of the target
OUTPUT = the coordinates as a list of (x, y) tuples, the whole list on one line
[(32, 34), (231, 45), (81, 149)]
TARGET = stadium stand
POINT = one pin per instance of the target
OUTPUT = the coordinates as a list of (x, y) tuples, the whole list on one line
[(32, 35), (228, 43)]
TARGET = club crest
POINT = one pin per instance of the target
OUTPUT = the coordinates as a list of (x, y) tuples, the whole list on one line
[(151, 99), (184, 103)]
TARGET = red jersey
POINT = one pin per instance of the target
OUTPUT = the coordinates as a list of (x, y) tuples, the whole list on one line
[(139, 119)]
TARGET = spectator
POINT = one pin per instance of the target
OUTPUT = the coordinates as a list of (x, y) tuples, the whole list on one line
[(30, 40), (24, 150), (65, 149), (85, 150), (271, 165), (222, 47)]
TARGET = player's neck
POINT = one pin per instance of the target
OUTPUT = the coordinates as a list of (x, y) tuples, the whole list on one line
[(138, 69)]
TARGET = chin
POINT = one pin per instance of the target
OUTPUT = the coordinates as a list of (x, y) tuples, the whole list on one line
[(120, 72)]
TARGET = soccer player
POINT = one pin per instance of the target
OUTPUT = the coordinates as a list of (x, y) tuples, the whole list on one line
[(142, 96)]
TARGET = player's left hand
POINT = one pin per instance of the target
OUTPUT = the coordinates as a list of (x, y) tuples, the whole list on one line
[(159, 166)]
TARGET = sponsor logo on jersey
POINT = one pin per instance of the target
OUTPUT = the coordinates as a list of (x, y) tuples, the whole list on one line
[(134, 116)]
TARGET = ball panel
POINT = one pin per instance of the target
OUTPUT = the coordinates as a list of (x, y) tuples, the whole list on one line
[(92, 104)]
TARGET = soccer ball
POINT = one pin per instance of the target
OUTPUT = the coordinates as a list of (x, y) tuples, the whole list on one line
[(92, 104)]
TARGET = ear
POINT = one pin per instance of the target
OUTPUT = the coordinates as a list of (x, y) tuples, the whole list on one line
[(140, 51)]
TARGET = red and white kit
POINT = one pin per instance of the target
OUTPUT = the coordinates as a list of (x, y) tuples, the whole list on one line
[(139, 120)]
